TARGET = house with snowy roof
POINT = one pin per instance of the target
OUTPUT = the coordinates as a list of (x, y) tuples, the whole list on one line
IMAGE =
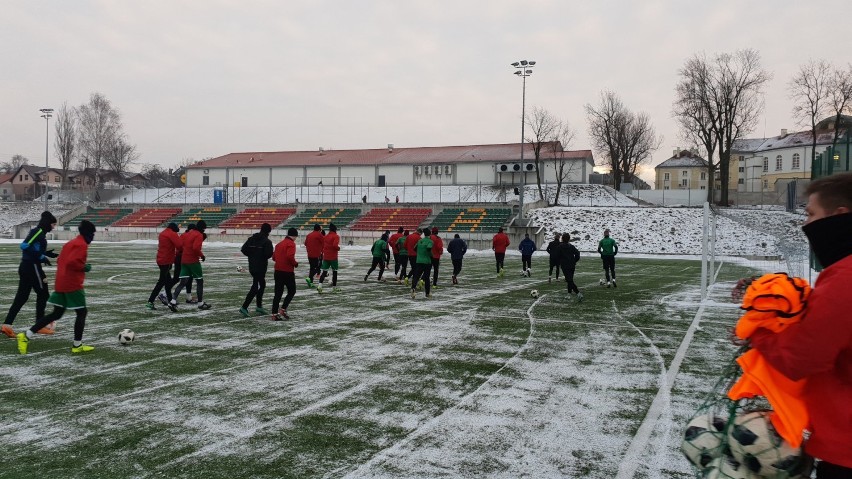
[(684, 170)]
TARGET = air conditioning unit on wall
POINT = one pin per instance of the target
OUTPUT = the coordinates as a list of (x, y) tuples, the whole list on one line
[(529, 166), (429, 170), (438, 170), (448, 170), (417, 170), (509, 168)]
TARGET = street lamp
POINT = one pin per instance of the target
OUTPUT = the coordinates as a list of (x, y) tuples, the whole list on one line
[(523, 70), (46, 113)]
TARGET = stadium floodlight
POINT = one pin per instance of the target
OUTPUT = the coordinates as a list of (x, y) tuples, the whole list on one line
[(525, 71), (46, 113)]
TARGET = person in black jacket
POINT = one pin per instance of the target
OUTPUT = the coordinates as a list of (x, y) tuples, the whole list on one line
[(34, 253), (552, 248), (568, 258), (258, 249), (457, 248)]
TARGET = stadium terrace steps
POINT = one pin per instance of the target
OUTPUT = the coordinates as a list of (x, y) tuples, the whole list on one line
[(323, 216), (253, 218), (382, 219), (472, 219), (148, 217), (212, 215), (99, 216)]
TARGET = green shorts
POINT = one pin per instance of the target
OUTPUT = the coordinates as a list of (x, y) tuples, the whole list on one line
[(72, 300), (326, 264), (191, 271)]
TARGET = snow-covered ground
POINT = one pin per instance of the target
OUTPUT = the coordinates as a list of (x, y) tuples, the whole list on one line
[(12, 214)]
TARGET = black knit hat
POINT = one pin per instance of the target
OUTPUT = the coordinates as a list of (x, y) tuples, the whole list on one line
[(201, 225), (86, 228), (265, 228), (47, 219), (173, 226), (292, 232), (332, 227)]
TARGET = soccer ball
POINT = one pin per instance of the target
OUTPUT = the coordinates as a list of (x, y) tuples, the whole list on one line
[(757, 446), (602, 282), (126, 336), (240, 269), (534, 293), (726, 467), (702, 439)]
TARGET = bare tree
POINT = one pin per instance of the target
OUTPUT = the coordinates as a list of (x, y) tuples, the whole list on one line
[(120, 154), (697, 114), (100, 124), (840, 98), (625, 139), (810, 90), (66, 139), (564, 136), (14, 163), (543, 127), (157, 175)]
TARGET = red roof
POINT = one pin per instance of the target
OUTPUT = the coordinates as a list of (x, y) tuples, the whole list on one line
[(385, 156), (6, 177)]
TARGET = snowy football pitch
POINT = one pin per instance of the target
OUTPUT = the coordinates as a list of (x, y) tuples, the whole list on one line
[(480, 381)]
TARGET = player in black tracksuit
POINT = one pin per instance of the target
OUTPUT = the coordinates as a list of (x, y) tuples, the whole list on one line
[(258, 249), (568, 258), (34, 253), (554, 258)]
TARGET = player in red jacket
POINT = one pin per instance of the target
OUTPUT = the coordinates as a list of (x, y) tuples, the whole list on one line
[(395, 249), (191, 258), (410, 245), (167, 247), (437, 251), (313, 246), (499, 244), (330, 247), (68, 293), (285, 274), (819, 347)]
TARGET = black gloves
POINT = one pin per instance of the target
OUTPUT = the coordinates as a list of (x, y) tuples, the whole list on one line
[(50, 254)]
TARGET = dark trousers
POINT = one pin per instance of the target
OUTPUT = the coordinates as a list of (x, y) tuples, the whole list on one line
[(258, 286), (457, 266), (164, 282), (827, 470), (313, 267), (187, 283), (176, 280), (609, 266), (569, 278), (31, 277), (396, 264), (412, 262), (526, 262), (333, 277), (377, 262), (403, 265), (499, 257), (553, 265), (436, 262), (421, 271), (58, 311), (282, 279)]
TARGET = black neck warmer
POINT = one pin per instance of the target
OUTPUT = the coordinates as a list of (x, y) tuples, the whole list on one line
[(830, 238)]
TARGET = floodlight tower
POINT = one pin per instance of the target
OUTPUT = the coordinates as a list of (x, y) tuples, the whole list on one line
[(523, 69)]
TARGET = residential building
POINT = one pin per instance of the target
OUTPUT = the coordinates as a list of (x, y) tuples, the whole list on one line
[(683, 170)]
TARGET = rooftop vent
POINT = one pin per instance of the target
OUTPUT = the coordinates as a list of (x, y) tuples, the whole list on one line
[(321, 150), (783, 132), (390, 147)]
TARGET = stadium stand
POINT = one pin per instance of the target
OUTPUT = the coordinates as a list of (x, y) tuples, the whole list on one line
[(472, 219), (148, 217), (212, 215), (310, 216), (99, 217), (253, 218), (381, 219)]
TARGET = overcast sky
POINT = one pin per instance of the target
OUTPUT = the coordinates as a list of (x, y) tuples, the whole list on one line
[(194, 79)]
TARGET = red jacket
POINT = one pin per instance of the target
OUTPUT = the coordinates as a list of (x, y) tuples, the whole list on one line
[(410, 243), (437, 246), (819, 348), (168, 246), (191, 242), (500, 242), (330, 246), (285, 255), (70, 266), (392, 241), (314, 244)]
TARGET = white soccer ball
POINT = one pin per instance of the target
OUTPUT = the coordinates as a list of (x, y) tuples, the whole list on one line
[(726, 467), (534, 293), (126, 336), (602, 282), (757, 446), (240, 269), (702, 439)]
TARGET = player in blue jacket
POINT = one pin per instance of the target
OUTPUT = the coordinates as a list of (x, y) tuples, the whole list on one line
[(527, 248)]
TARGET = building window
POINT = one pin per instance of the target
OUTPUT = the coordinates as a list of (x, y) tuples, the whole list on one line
[(765, 184), (741, 169), (27, 177), (765, 165), (742, 158), (684, 173), (666, 176), (796, 161), (741, 181), (703, 187), (684, 182), (56, 179), (205, 180), (703, 175), (778, 163), (665, 187), (837, 161)]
